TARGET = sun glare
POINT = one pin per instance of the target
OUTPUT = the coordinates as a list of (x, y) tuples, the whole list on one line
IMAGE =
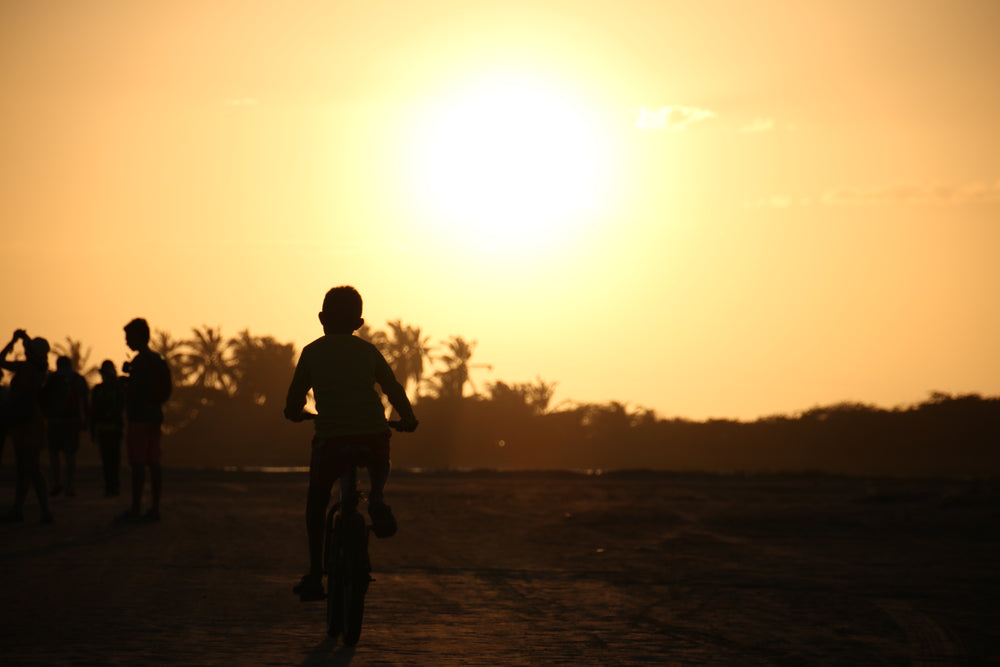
[(510, 162)]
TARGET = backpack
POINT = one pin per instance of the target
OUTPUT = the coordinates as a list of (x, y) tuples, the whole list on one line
[(152, 375), (162, 386)]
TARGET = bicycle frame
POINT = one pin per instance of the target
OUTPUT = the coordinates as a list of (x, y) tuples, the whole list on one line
[(349, 494)]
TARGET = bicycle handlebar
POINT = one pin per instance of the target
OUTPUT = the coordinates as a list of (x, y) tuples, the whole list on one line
[(396, 424), (403, 426)]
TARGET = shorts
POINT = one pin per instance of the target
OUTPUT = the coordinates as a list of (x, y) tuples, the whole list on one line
[(328, 462), (143, 442)]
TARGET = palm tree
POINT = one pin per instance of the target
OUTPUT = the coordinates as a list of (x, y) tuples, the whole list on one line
[(532, 398), (617, 417), (262, 367), (208, 360), (376, 337), (539, 395), (406, 349), (168, 347), (450, 382)]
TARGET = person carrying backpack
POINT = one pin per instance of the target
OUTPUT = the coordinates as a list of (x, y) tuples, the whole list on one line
[(147, 388)]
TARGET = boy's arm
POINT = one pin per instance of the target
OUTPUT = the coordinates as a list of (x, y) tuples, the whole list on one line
[(9, 365), (297, 390), (396, 395), (30, 353), (401, 403)]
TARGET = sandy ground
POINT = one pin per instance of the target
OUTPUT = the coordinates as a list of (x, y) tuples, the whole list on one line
[(519, 569)]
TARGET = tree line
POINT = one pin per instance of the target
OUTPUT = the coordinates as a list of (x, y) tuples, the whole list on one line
[(229, 394)]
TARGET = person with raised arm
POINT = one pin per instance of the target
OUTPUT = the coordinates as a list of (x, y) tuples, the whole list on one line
[(25, 422)]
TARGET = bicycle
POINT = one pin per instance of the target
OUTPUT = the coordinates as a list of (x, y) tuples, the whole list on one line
[(345, 552)]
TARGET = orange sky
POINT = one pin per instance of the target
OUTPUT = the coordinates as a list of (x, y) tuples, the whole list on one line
[(713, 209)]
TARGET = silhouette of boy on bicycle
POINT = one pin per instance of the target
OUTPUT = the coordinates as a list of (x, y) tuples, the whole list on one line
[(342, 371)]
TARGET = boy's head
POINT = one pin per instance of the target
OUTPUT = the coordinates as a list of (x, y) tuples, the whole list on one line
[(108, 371), (64, 364), (137, 334), (341, 310)]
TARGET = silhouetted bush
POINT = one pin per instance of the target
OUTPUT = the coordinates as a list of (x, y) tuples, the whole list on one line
[(226, 410)]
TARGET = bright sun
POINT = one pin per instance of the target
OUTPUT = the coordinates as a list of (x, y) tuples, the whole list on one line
[(511, 162)]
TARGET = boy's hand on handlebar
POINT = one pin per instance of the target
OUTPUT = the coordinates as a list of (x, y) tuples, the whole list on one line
[(300, 416), (405, 425)]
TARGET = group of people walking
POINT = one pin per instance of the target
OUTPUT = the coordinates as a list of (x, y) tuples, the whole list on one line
[(43, 408)]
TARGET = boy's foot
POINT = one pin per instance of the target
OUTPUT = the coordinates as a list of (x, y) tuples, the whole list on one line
[(310, 588), (70, 492), (56, 490), (383, 522), (152, 515), (47, 517)]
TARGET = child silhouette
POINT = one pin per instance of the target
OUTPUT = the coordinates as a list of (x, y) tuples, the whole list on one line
[(342, 371)]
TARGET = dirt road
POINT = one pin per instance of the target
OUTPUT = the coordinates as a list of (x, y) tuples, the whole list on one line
[(519, 569)]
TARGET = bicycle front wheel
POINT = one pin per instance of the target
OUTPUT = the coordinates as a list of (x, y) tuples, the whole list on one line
[(332, 557), (354, 577)]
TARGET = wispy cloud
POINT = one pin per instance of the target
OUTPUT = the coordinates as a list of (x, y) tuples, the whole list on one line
[(672, 118), (759, 125), (937, 195), (969, 193), (776, 201), (242, 101)]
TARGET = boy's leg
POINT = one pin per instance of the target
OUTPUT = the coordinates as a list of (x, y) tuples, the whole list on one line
[(72, 444), (378, 468), (54, 447), (105, 446), (378, 475), (154, 455), (316, 503), (383, 522), (114, 442), (28, 451), (40, 491), (24, 476), (156, 487), (138, 481)]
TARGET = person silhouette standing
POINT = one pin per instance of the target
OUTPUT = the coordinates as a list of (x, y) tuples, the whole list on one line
[(64, 401), (107, 425), (146, 390), (25, 421)]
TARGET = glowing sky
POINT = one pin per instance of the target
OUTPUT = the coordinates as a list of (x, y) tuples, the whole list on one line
[(712, 209)]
